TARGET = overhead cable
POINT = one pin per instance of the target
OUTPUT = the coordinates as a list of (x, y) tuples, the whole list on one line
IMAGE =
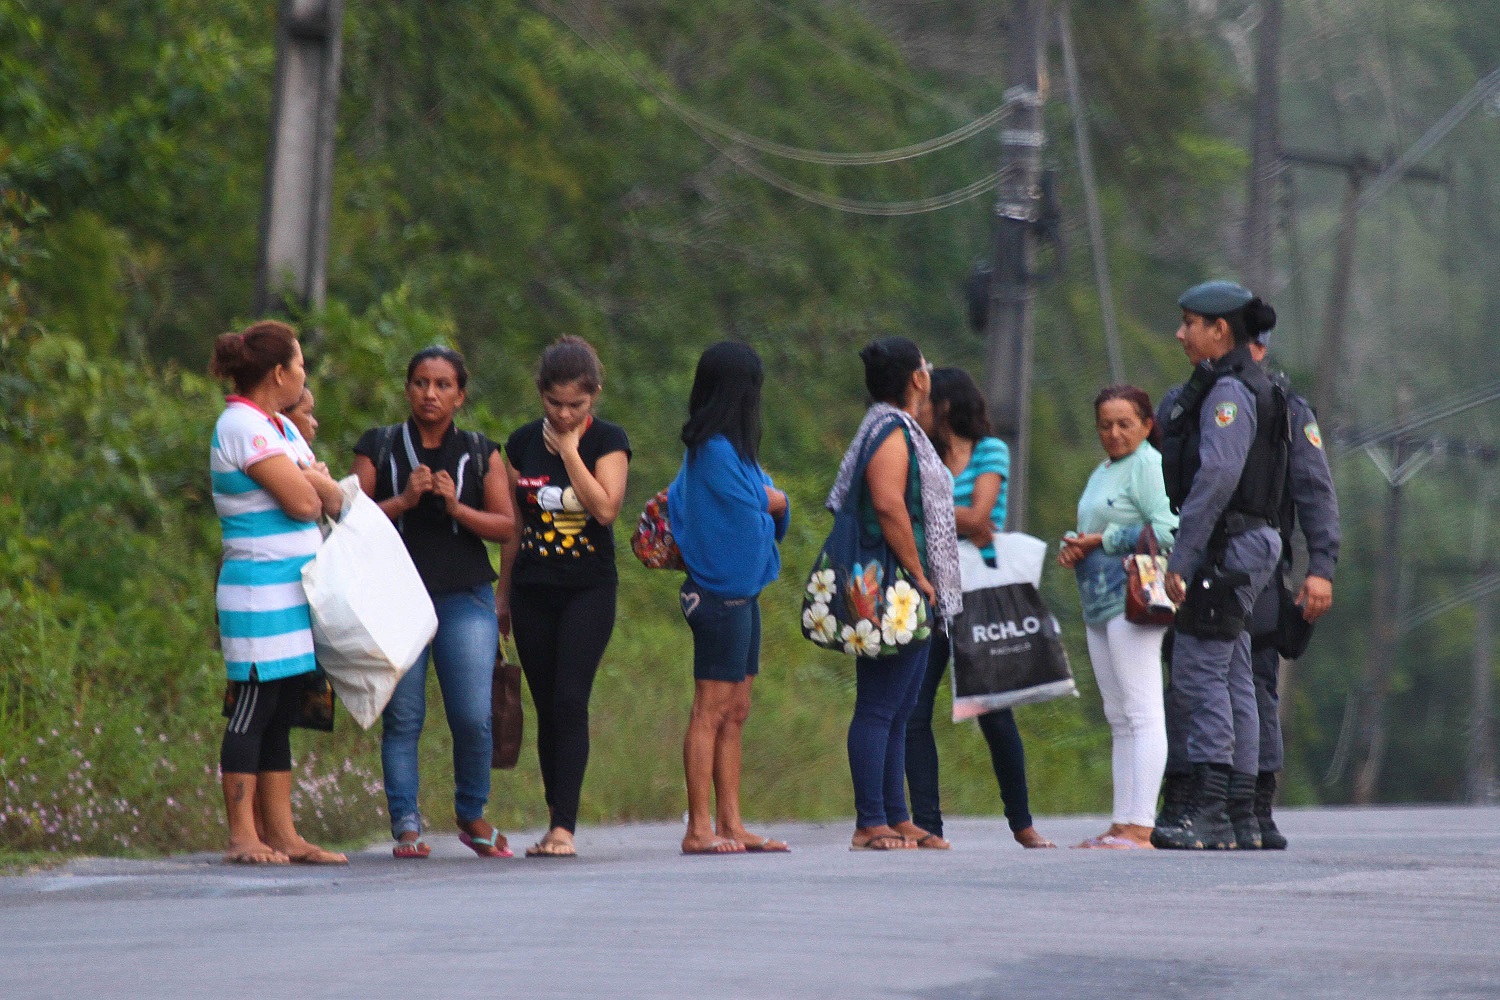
[(1392, 174), (597, 39), (1420, 616), (880, 72), (750, 165), (1428, 415)]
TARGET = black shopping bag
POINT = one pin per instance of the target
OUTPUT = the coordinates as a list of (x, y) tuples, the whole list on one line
[(1007, 650)]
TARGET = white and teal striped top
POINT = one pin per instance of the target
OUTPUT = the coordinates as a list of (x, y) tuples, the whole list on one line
[(263, 616)]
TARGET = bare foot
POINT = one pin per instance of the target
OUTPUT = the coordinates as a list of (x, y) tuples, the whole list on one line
[(253, 853), (1030, 838), (557, 843), (880, 838), (1140, 836), (922, 838), (1098, 839), (754, 843), (301, 852), (703, 844)]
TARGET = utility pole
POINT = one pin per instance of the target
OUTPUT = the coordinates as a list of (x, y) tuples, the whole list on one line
[(292, 266), (1380, 661), (1265, 164), (1479, 774), (1009, 329), (1356, 169)]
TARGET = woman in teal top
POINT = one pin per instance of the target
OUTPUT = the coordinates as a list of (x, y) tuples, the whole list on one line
[(1123, 496), (980, 464)]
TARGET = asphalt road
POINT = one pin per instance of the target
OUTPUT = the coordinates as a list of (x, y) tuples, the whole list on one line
[(1399, 903)]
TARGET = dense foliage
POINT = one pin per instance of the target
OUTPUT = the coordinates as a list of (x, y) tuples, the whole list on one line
[(499, 181)]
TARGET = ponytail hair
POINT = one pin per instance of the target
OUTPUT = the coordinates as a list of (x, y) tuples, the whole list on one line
[(1250, 320)]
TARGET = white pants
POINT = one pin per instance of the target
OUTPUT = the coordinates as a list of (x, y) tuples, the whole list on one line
[(1127, 666)]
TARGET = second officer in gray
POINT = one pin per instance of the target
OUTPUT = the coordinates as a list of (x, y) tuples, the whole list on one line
[(1281, 625), (1224, 460)]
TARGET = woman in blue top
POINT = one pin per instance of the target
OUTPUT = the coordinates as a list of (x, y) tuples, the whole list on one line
[(1124, 494), (980, 464), (727, 518)]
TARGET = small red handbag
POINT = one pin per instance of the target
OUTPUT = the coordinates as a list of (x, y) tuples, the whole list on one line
[(652, 542)]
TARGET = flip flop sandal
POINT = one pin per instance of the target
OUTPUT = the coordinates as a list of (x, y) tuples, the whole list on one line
[(887, 838), (941, 845), (408, 850), (485, 847), (713, 848), (551, 849), (768, 846), (1122, 844)]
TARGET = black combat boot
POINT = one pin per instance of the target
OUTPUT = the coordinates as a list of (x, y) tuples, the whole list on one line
[(1265, 790), (1176, 791), (1205, 823), (1241, 809)]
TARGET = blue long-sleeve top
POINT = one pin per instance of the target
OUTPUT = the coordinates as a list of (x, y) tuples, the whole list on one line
[(717, 507)]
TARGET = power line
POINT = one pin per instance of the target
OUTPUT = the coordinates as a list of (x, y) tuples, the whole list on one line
[(598, 41), (704, 127), (1428, 415), (946, 104), (1391, 174)]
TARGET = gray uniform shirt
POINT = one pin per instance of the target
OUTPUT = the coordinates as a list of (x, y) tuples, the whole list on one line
[(1226, 430), (1312, 491)]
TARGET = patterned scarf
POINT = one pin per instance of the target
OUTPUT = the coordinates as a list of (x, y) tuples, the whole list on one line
[(937, 502)]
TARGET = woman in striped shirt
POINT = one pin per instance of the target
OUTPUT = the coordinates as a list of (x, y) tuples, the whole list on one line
[(268, 507)]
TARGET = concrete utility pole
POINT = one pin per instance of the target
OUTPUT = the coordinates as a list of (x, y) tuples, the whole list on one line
[(1009, 330), (292, 266), (1265, 164)]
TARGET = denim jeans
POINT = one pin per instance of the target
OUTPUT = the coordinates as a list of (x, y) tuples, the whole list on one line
[(1007, 754), (726, 633), (463, 652), (885, 691)]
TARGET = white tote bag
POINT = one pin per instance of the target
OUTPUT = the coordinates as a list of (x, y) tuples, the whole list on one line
[(371, 616)]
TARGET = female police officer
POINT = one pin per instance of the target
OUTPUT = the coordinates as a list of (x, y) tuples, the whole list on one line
[(1224, 461)]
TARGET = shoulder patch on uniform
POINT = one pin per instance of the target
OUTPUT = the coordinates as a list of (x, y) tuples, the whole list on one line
[(1314, 436), (1225, 413)]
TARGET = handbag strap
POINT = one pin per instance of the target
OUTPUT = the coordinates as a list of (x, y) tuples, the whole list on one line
[(857, 485), (1146, 545)]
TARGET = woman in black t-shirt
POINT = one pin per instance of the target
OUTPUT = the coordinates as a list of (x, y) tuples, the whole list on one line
[(558, 581), (445, 490)]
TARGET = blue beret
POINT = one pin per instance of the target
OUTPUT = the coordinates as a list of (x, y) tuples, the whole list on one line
[(1215, 298)]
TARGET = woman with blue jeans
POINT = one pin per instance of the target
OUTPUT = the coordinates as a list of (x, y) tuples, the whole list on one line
[(446, 492), (727, 518), (905, 496)]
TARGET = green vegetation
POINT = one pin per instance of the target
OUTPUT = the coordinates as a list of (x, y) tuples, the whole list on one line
[(500, 182)]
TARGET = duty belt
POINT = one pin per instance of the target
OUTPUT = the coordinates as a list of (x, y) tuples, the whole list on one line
[(1235, 523)]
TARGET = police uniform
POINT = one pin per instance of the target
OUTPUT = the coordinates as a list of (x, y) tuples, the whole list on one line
[(1277, 628), (1224, 460)]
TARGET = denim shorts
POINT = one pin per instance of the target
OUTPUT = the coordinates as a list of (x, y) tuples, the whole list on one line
[(726, 634)]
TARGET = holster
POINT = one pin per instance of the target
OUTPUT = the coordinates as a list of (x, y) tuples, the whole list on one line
[(1211, 610), (1292, 633)]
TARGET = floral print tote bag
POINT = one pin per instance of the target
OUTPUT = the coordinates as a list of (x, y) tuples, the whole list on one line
[(859, 599)]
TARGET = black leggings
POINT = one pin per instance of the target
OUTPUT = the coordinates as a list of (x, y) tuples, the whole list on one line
[(560, 635), (259, 735), (1007, 755)]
